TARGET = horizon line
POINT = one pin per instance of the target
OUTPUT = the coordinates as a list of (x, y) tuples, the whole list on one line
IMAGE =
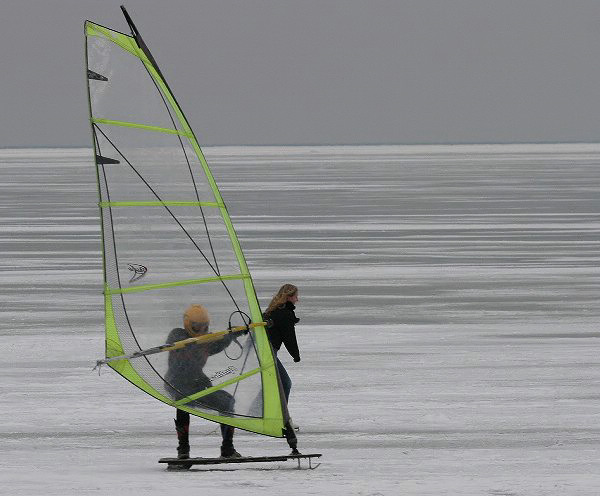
[(249, 145)]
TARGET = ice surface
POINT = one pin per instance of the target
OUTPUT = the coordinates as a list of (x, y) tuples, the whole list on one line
[(449, 324)]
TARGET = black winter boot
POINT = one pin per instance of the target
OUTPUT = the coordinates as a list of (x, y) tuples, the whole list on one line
[(291, 438), (183, 436), (227, 449)]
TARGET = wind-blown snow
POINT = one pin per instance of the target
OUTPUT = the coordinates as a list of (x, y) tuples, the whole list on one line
[(449, 324)]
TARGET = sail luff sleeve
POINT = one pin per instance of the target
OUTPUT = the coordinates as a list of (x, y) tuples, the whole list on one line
[(93, 137)]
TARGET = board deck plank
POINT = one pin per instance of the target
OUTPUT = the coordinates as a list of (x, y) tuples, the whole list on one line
[(244, 459)]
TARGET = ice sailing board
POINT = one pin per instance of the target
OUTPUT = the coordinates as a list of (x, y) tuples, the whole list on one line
[(188, 462), (168, 240)]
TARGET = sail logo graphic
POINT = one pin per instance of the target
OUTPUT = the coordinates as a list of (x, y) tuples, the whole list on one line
[(139, 271), (222, 373)]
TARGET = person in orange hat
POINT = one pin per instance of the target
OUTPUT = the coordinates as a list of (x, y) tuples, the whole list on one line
[(185, 376)]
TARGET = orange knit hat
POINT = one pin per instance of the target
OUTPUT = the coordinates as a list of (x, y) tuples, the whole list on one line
[(195, 313)]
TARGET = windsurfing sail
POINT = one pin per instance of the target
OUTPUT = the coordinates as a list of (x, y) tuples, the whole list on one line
[(168, 242)]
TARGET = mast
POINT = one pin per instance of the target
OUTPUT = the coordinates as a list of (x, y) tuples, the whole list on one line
[(139, 40)]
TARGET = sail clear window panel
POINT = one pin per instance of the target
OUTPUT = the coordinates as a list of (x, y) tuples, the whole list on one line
[(130, 94), (247, 393), (169, 243), (151, 315), (153, 166)]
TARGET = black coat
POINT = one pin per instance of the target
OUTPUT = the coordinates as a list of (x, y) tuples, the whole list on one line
[(185, 375), (282, 329)]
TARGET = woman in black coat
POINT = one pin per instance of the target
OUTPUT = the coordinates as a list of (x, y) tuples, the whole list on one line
[(281, 329)]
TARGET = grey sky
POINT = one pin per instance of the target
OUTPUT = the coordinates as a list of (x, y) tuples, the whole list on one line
[(321, 71)]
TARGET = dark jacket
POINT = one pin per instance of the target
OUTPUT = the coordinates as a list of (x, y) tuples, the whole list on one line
[(282, 329), (185, 374)]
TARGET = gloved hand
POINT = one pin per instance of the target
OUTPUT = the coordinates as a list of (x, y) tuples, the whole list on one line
[(297, 359)]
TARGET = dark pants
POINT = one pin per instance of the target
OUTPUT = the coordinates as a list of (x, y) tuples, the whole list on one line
[(182, 425), (286, 382), (219, 400)]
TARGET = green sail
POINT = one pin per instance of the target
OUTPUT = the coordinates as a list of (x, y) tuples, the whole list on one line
[(168, 241)]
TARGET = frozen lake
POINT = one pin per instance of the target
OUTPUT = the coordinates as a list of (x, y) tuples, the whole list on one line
[(449, 324)]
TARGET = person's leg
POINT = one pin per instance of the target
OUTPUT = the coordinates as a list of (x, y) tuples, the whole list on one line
[(290, 436), (227, 449), (286, 382), (182, 426), (224, 403)]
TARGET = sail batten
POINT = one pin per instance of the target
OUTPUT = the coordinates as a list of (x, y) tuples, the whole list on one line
[(157, 261), (159, 203), (208, 391), (145, 127), (191, 282)]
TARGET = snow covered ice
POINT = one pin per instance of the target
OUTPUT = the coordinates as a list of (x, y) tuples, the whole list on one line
[(449, 324)]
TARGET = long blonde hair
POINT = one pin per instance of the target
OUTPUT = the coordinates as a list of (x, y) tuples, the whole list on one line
[(286, 291)]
